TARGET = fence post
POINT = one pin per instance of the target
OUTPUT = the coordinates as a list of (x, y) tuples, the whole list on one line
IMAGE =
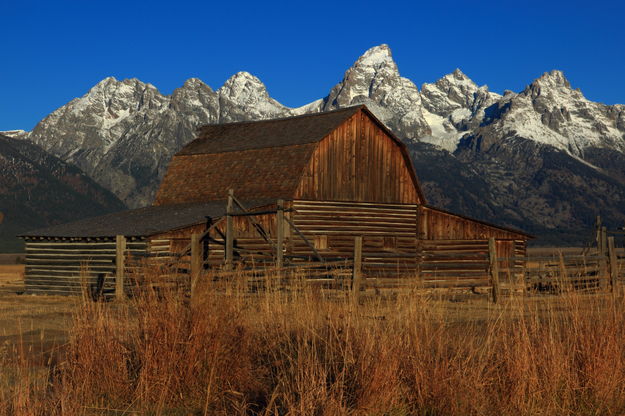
[(120, 253), (598, 232), (604, 240), (494, 267), (196, 262), (229, 230), (357, 270), (613, 263), (280, 235)]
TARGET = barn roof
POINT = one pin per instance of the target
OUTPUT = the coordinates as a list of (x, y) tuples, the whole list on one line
[(248, 135), (140, 222), (486, 223), (258, 159)]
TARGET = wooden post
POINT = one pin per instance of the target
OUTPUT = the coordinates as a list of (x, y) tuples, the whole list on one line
[(494, 267), (357, 270), (613, 263), (598, 232), (229, 230), (604, 241), (196, 262), (565, 282), (280, 237), (120, 253), (205, 244)]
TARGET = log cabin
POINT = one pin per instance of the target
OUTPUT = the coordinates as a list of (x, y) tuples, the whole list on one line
[(312, 181)]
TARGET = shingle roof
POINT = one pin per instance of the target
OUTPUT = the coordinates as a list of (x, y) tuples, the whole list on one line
[(231, 137), (141, 222)]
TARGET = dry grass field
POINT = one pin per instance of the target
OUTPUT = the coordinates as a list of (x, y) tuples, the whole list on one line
[(306, 351)]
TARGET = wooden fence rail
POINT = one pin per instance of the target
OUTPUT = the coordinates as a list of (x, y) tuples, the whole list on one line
[(115, 267)]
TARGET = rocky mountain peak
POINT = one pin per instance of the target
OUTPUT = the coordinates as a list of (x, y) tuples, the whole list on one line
[(374, 80), (550, 84), (245, 97), (377, 57), (459, 75), (243, 86), (554, 78), (195, 83), (453, 92)]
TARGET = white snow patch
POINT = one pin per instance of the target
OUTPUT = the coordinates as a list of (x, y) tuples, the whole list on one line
[(444, 135)]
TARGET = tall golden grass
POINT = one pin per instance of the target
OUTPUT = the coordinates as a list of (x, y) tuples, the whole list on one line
[(300, 352)]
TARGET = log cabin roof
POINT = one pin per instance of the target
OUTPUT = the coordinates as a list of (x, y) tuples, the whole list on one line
[(511, 230), (248, 135), (140, 222)]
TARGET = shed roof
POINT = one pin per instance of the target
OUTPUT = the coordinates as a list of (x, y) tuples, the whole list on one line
[(248, 135), (140, 222), (486, 223)]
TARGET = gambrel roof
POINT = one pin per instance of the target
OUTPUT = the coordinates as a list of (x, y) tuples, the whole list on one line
[(264, 159)]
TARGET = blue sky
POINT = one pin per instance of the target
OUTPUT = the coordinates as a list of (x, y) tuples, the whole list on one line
[(55, 51)]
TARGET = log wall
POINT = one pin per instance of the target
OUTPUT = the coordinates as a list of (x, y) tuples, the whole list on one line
[(63, 267), (388, 230)]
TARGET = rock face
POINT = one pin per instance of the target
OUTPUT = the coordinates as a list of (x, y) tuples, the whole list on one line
[(374, 80), (544, 159), (38, 190)]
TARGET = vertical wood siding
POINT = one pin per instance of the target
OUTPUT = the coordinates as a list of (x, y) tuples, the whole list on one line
[(359, 162)]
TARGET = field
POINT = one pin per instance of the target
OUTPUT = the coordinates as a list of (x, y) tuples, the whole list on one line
[(308, 351)]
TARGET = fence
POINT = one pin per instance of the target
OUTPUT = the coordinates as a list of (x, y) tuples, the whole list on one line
[(115, 266), (440, 264)]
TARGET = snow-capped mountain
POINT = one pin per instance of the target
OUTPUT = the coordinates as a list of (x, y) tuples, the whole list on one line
[(501, 147), (374, 80), (123, 133), (549, 111)]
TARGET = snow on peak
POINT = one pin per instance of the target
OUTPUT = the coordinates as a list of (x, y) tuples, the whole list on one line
[(458, 78), (243, 84), (15, 134), (459, 75), (378, 56), (194, 83), (554, 78)]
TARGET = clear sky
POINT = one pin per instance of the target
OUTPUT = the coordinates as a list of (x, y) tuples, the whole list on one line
[(54, 51)]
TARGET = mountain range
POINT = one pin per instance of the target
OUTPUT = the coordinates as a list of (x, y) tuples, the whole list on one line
[(544, 159)]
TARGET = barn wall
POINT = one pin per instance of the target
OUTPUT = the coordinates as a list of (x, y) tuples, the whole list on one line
[(332, 226), (358, 161), (249, 244), (253, 174), (62, 267)]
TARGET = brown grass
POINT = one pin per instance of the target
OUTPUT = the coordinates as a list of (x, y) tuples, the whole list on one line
[(301, 352)]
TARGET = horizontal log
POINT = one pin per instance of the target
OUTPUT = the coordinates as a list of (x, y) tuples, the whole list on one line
[(31, 260), (349, 204)]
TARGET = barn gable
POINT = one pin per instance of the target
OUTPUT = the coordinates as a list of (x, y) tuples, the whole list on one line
[(343, 155), (361, 161)]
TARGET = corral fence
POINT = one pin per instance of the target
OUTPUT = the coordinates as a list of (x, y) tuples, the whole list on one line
[(467, 264), (120, 266)]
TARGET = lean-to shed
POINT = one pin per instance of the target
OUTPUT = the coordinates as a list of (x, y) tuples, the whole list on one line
[(340, 174)]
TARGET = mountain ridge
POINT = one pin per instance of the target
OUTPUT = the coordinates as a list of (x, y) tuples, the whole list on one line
[(123, 133)]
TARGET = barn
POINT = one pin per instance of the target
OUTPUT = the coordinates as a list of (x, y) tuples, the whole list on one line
[(288, 190)]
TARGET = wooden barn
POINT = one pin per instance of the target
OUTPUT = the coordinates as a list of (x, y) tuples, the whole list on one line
[(307, 185)]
